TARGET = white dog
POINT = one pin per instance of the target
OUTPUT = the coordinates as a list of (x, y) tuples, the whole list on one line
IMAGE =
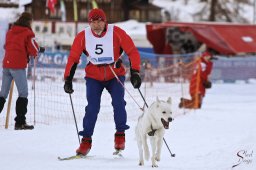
[(152, 123)]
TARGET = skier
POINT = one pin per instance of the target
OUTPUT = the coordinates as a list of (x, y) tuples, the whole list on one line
[(19, 45), (103, 44)]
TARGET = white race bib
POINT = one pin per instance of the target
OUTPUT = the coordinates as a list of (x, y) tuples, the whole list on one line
[(100, 50)]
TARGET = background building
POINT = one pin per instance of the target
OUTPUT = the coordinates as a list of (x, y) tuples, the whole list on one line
[(56, 24), (116, 10)]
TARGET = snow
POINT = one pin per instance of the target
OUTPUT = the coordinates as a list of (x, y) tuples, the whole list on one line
[(209, 138), (11, 14), (136, 30), (187, 10), (24, 2), (206, 139), (133, 27), (179, 10)]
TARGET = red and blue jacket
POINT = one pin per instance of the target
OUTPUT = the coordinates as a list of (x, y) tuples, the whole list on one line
[(121, 41)]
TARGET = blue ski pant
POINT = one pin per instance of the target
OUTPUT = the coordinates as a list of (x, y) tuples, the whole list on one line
[(94, 89), (20, 79)]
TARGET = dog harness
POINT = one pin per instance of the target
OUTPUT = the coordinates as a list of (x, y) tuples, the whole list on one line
[(152, 132)]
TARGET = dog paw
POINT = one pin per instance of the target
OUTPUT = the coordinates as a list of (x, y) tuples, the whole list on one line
[(154, 165), (141, 163)]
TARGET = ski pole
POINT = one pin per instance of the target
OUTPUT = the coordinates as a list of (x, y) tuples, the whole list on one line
[(34, 88), (172, 154), (143, 97), (74, 117)]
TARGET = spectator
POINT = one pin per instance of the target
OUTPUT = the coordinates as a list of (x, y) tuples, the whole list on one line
[(19, 45), (57, 46), (198, 83), (103, 44), (148, 72)]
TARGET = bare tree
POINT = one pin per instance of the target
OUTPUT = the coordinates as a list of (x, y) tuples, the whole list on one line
[(212, 10), (225, 10)]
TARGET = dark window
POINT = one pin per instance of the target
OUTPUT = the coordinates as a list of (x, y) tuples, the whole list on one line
[(83, 14), (37, 28)]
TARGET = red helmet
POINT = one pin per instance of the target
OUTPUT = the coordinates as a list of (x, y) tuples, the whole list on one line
[(97, 14)]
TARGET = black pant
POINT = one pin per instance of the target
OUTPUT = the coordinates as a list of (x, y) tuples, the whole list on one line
[(2, 101), (21, 110)]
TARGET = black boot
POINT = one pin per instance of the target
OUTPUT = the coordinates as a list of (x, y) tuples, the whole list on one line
[(21, 110), (24, 126), (2, 101)]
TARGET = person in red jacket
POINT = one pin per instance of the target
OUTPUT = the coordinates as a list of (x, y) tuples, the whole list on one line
[(103, 44), (199, 82), (19, 45)]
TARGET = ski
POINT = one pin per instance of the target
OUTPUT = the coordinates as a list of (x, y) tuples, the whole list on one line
[(118, 153), (73, 157)]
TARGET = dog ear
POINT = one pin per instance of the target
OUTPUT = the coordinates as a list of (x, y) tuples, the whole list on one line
[(169, 100)]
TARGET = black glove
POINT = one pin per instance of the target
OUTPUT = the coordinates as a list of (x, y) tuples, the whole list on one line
[(68, 87), (118, 63), (41, 49), (207, 84), (135, 78)]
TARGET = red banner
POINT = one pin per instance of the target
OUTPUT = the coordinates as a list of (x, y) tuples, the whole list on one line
[(51, 5)]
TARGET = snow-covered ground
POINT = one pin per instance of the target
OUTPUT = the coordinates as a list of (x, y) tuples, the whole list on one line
[(212, 138)]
